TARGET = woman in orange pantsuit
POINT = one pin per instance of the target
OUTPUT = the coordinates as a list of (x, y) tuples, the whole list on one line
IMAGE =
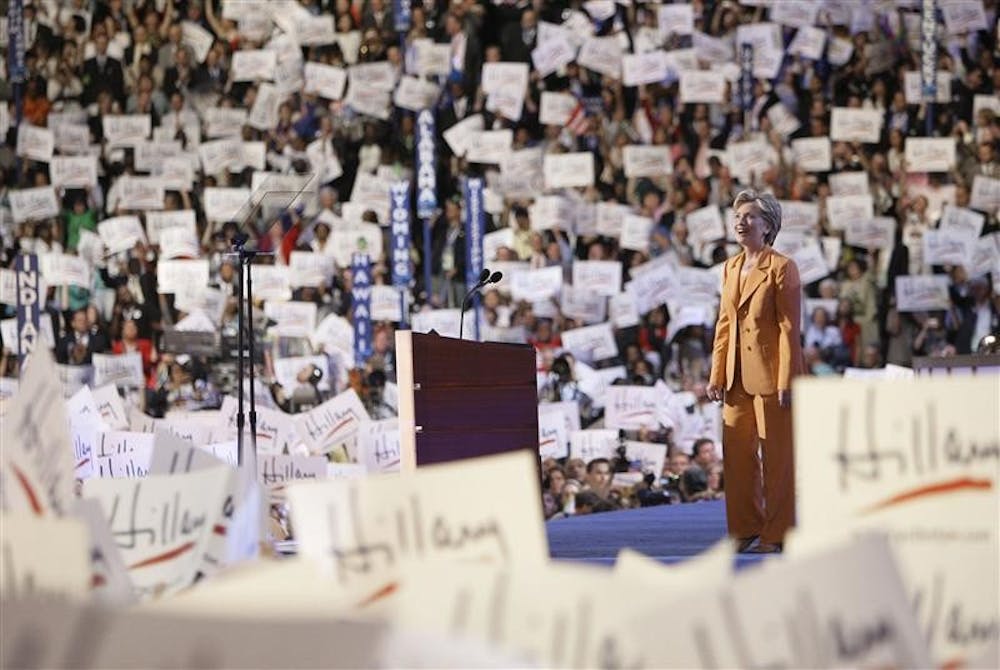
[(756, 354)]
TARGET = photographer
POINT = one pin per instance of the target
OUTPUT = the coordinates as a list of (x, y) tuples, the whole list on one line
[(651, 493), (563, 386), (306, 393), (374, 396), (182, 385), (670, 482)]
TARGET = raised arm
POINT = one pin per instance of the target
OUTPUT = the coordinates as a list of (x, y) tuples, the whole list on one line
[(168, 19), (213, 21)]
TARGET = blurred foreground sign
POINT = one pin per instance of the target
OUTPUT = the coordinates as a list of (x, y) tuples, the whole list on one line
[(919, 459), (371, 528)]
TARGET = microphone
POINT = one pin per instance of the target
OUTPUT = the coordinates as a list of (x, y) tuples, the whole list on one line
[(485, 277), (240, 241)]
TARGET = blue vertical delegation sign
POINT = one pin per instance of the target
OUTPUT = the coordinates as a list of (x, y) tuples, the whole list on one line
[(16, 69), (361, 300), (475, 223), (402, 15), (29, 303), (426, 169), (399, 216), (746, 76), (928, 51), (426, 185)]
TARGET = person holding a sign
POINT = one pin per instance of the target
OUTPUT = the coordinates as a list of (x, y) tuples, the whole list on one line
[(129, 341), (756, 355)]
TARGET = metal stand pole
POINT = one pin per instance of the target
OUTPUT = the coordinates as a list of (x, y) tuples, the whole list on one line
[(240, 323), (427, 259), (250, 335)]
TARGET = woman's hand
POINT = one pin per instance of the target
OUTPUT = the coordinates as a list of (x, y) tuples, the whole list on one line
[(785, 397)]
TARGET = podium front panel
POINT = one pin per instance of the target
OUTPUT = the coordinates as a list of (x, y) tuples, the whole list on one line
[(472, 398)]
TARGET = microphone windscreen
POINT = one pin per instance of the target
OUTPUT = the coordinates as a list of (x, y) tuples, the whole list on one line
[(484, 276), (495, 277)]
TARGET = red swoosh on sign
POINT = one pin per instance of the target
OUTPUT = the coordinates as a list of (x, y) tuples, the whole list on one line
[(941, 488), (340, 425), (161, 558), (383, 592), (29, 490)]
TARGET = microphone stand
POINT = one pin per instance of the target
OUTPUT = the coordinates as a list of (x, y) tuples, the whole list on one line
[(240, 324), (244, 320), (465, 305), (485, 278), (250, 351)]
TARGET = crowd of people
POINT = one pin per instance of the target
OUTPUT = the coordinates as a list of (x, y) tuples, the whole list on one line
[(93, 66)]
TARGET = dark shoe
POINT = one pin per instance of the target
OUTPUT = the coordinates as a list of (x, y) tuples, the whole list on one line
[(766, 548), (743, 544)]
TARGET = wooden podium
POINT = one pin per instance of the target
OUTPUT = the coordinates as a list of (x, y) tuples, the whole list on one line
[(461, 399)]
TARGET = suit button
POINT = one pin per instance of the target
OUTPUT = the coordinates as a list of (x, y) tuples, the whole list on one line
[(748, 349)]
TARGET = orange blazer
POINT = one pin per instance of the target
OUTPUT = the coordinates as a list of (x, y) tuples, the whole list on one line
[(763, 322)]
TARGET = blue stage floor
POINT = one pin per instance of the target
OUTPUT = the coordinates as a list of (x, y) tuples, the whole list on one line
[(668, 533)]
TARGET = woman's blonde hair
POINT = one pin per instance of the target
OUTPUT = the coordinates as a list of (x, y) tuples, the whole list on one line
[(770, 211)]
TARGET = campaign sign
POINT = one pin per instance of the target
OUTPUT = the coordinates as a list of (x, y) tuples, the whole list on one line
[(361, 292), (28, 303)]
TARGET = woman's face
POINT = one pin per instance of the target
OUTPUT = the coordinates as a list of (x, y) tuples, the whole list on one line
[(751, 229), (680, 230), (130, 331), (556, 481), (714, 479)]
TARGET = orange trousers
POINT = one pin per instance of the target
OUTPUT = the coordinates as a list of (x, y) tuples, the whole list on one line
[(760, 489)]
